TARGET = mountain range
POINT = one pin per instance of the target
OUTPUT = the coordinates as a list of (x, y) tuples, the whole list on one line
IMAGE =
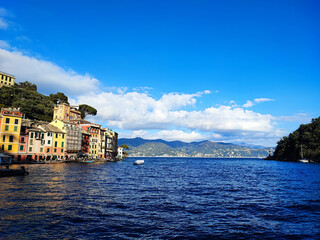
[(139, 147)]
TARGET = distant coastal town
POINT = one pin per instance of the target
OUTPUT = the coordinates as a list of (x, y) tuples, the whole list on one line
[(68, 137)]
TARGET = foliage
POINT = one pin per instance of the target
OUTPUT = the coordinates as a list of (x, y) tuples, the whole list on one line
[(125, 146), (307, 136), (31, 103), (59, 97), (27, 85), (87, 110)]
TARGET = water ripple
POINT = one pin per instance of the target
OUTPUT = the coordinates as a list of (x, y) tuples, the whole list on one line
[(163, 199)]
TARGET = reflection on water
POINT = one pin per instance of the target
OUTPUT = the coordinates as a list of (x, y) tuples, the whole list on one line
[(165, 198)]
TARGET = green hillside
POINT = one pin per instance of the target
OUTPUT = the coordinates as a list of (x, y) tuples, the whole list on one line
[(31, 103), (35, 105), (307, 136)]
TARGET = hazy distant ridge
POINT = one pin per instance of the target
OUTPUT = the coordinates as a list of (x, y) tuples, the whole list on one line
[(151, 148)]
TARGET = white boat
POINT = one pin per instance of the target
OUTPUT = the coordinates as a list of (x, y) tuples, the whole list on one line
[(303, 160), (138, 162)]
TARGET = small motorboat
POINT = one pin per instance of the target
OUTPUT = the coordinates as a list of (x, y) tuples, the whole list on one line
[(13, 172), (138, 162)]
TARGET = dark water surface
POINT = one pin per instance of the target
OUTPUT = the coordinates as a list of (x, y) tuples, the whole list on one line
[(166, 198)]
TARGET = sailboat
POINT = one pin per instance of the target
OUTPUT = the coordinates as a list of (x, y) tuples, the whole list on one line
[(303, 160)]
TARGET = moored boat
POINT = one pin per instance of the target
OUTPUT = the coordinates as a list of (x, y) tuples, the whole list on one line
[(13, 172), (303, 160), (138, 162)]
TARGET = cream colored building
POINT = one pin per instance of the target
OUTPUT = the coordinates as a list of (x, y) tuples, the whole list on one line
[(6, 79), (65, 113)]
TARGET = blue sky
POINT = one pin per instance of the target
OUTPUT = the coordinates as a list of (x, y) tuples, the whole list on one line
[(232, 71)]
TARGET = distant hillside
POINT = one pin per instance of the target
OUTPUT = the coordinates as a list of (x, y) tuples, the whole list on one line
[(140, 147), (307, 136)]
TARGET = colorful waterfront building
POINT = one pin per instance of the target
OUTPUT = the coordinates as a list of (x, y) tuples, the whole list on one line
[(95, 139), (10, 125), (6, 79), (35, 144), (73, 140), (85, 144), (23, 143), (58, 146), (111, 144), (49, 141)]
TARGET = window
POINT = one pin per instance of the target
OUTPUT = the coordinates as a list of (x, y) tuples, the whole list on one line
[(55, 150), (15, 128), (2, 147), (42, 136), (62, 136), (49, 142), (16, 121), (30, 149), (22, 139), (6, 128), (4, 138), (9, 147), (41, 149), (31, 141), (55, 144), (7, 120), (31, 135), (10, 138), (48, 150), (62, 144), (21, 148), (61, 150), (56, 135)]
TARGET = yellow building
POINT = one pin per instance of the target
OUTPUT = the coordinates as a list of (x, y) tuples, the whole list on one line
[(10, 125), (65, 113), (6, 79), (58, 145)]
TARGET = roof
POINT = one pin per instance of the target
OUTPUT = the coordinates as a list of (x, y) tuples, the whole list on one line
[(7, 74)]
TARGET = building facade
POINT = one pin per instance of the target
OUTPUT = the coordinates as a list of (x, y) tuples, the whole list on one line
[(10, 126), (6, 79), (64, 112)]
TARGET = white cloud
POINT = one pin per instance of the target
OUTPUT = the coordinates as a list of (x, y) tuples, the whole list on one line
[(4, 44), (139, 111), (299, 117), (130, 111), (46, 75), (3, 23), (258, 100), (142, 89), (168, 135), (248, 104)]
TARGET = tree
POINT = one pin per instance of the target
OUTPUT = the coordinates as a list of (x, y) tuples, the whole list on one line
[(306, 136), (28, 85), (59, 97), (87, 110), (125, 146)]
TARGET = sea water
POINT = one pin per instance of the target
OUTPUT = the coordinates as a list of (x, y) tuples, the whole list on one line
[(166, 198)]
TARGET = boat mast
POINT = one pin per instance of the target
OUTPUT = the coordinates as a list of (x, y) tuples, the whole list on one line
[(301, 152)]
